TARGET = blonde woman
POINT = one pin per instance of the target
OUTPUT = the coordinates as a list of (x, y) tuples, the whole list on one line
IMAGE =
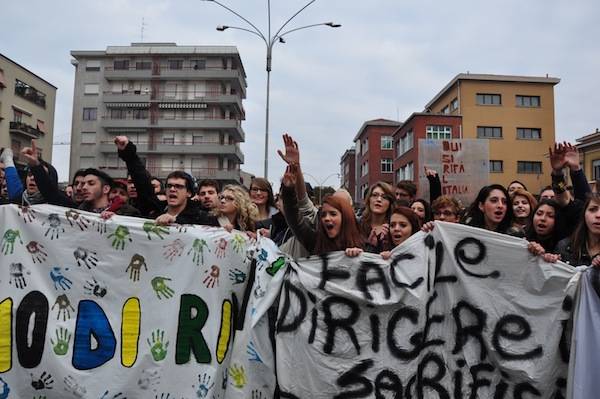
[(236, 209)]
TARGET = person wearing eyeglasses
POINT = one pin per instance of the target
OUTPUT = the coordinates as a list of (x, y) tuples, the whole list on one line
[(374, 224), (236, 209), (178, 208), (261, 194)]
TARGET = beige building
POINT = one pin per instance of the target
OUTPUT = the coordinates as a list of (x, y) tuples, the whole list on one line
[(26, 109), (589, 156), (516, 115)]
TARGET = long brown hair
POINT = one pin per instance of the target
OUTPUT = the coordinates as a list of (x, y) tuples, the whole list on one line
[(365, 223), (349, 236), (579, 239)]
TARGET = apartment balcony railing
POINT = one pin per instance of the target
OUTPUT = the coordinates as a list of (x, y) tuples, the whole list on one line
[(181, 147), (25, 130), (161, 172), (184, 72)]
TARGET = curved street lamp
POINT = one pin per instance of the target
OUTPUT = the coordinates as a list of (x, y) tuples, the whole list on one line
[(320, 182), (269, 41)]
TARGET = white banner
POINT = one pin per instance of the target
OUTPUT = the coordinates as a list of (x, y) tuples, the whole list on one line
[(118, 309), (459, 313), (462, 165)]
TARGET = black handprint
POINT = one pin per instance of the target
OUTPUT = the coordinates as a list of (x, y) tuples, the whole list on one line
[(55, 227), (44, 382), (16, 275), (37, 252), (93, 287), (86, 256)]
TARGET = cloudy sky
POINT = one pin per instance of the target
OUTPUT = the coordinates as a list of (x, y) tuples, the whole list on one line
[(388, 60)]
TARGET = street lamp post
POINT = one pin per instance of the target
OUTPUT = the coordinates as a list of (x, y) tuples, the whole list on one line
[(320, 182), (269, 42)]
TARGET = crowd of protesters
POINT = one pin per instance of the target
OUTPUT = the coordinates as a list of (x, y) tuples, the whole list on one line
[(560, 223)]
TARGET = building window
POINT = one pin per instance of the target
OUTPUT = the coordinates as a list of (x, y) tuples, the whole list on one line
[(489, 132), (438, 132), (88, 137), (168, 138), (407, 142), (529, 133), (386, 165), (596, 169), (121, 65), (405, 172), (365, 146), (454, 105), (117, 114), (140, 114), (143, 65), (175, 64), (198, 64), (496, 166), (364, 169), (17, 116), (87, 162), (528, 101), (529, 167), (387, 143), (91, 89), (489, 99), (90, 114), (92, 66), (446, 109)]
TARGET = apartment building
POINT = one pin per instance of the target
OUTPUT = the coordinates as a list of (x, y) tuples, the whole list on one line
[(516, 115), (348, 171), (420, 125), (374, 154), (180, 105), (589, 156), (27, 104)]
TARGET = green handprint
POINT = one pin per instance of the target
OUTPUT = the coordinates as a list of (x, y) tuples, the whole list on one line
[(239, 376), (151, 227), (121, 234), (198, 248), (160, 287), (275, 266), (158, 348), (238, 242), (8, 241), (63, 338)]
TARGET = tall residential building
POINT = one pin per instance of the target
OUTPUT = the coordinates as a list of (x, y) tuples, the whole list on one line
[(374, 154), (26, 109), (516, 115), (180, 105), (348, 171)]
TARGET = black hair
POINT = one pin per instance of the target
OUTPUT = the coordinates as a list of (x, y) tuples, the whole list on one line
[(549, 242), (475, 216), (180, 174), (105, 179), (516, 181), (78, 173), (209, 183)]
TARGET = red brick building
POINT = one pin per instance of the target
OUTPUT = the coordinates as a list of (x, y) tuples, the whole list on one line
[(348, 171), (420, 125), (374, 154)]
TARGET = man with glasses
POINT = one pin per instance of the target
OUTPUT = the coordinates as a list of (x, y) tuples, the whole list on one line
[(178, 207)]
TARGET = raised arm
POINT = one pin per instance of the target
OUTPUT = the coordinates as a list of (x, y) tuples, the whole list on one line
[(14, 186), (581, 188), (435, 186), (559, 184)]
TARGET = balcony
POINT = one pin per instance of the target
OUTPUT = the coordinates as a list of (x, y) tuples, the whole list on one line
[(125, 97), (127, 123), (166, 73), (231, 125), (187, 147), (198, 173), (24, 129)]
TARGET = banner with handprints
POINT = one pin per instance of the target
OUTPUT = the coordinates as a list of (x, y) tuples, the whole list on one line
[(118, 309)]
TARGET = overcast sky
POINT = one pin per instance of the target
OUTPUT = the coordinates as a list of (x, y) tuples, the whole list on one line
[(388, 60)]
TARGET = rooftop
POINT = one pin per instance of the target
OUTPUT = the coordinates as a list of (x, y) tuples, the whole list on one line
[(22, 67), (376, 122), (492, 78)]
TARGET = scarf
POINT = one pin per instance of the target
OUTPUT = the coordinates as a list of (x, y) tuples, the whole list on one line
[(32, 199)]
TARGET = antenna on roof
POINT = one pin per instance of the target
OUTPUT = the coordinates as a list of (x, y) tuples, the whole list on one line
[(397, 112), (142, 30)]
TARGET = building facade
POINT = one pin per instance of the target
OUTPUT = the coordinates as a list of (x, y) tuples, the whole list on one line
[(589, 156), (27, 104), (180, 105), (516, 115), (420, 125), (348, 172), (374, 158)]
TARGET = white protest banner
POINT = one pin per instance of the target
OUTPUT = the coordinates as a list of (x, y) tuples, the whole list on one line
[(117, 309), (462, 165), (458, 313), (583, 377)]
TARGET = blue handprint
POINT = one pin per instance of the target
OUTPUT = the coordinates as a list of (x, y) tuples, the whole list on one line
[(253, 353), (205, 385), (4, 389), (59, 279)]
